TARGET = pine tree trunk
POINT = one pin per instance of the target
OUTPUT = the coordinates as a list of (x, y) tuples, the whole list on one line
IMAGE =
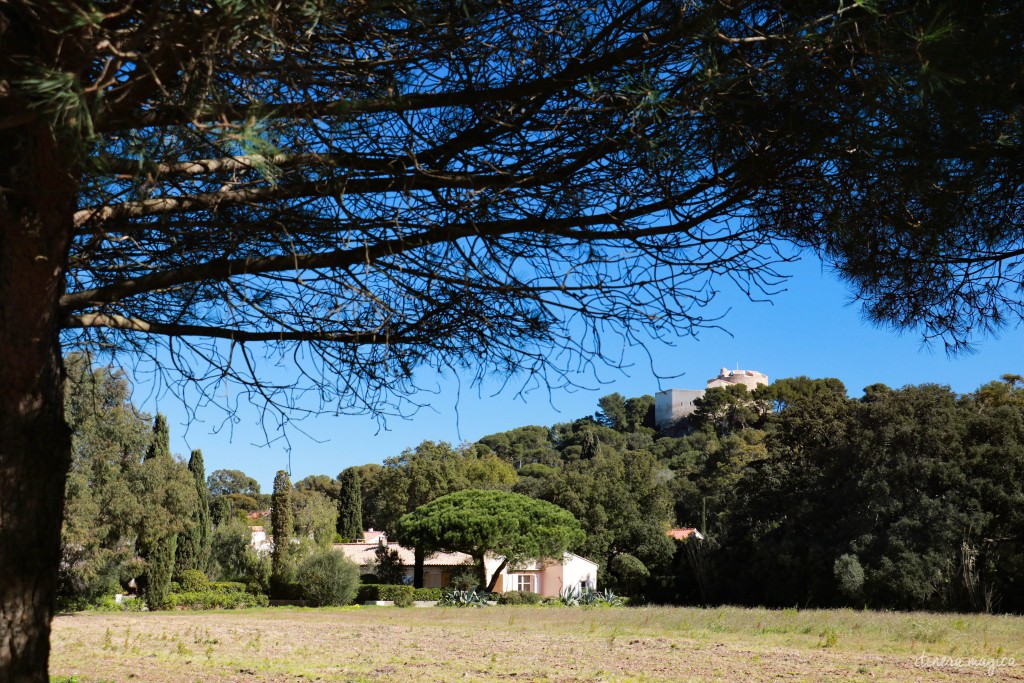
[(419, 559), (37, 197)]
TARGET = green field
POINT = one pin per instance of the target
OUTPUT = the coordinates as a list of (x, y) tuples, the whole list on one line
[(537, 644)]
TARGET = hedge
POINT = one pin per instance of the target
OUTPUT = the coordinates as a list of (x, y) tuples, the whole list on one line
[(426, 594), (229, 587), (519, 598), (212, 599), (402, 596), (109, 603)]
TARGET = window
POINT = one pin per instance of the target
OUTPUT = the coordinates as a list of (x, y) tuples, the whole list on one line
[(524, 582)]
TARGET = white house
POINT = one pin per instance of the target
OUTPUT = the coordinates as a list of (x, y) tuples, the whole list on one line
[(546, 578)]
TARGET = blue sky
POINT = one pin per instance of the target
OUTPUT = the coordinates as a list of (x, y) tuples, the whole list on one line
[(809, 329)]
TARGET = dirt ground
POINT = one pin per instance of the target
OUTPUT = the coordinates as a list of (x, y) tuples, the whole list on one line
[(534, 644)]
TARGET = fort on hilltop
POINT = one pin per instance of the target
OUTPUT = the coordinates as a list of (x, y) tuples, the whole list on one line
[(672, 405)]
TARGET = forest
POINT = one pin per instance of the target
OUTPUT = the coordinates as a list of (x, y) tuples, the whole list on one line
[(908, 499)]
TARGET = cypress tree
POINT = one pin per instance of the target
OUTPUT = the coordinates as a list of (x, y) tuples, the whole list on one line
[(161, 444), (157, 546), (350, 506), (281, 520), (194, 542), (159, 567)]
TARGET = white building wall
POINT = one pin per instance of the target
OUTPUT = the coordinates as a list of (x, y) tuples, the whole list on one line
[(671, 405), (577, 571)]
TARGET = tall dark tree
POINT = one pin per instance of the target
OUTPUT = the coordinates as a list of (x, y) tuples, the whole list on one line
[(160, 445), (466, 185), (194, 543), (281, 521), (168, 495), (109, 437), (350, 506)]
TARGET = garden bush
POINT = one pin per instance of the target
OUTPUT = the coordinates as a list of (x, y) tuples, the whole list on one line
[(402, 596), (465, 581), (426, 594), (232, 587), (519, 598), (108, 603), (216, 600), (328, 578), (193, 581)]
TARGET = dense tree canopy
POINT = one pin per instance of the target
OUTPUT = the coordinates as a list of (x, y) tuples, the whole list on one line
[(905, 498), (222, 482), (465, 185)]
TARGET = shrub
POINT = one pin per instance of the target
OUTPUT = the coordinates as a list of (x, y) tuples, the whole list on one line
[(426, 593), (108, 603), (465, 581), (402, 596), (389, 565), (573, 596), (458, 598), (519, 598), (232, 587), (367, 592), (628, 569), (328, 578), (192, 581), (849, 576), (211, 599)]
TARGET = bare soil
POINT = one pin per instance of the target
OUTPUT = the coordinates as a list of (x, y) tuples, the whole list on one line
[(553, 645)]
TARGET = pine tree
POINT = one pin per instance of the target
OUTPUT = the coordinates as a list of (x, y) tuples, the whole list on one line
[(194, 543), (350, 506), (281, 519)]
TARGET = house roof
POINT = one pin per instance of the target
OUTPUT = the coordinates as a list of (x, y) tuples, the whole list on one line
[(681, 534), (578, 557), (364, 553), (371, 536)]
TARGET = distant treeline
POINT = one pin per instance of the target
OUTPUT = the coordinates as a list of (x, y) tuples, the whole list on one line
[(910, 498)]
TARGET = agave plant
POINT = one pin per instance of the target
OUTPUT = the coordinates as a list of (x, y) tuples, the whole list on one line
[(570, 596), (611, 598), (458, 598), (574, 596)]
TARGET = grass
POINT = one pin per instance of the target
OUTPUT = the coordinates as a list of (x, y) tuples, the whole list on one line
[(535, 644)]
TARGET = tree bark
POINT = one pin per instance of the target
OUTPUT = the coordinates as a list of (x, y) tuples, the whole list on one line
[(494, 577), (37, 195), (419, 557)]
